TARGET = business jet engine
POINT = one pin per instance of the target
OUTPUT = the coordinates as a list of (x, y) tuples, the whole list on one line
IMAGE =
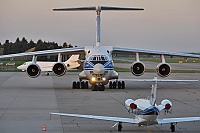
[(137, 68), (167, 105), (163, 69), (130, 105), (59, 69), (33, 70)]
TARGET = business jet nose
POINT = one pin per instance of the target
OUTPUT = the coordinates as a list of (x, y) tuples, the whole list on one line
[(98, 69)]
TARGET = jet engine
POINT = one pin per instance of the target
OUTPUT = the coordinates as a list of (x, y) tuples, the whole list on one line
[(167, 104), (130, 105), (163, 69), (33, 70), (59, 69), (137, 68)]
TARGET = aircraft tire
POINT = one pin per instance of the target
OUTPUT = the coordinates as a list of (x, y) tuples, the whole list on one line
[(114, 85), (110, 85), (83, 85), (86, 85), (120, 126), (74, 85), (119, 85), (94, 88), (77, 85), (172, 128), (123, 85), (102, 88)]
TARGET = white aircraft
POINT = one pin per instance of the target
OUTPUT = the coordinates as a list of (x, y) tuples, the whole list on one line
[(72, 62), (145, 111), (98, 66)]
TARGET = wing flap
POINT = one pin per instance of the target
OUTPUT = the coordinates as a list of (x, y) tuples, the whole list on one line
[(174, 120), (105, 118)]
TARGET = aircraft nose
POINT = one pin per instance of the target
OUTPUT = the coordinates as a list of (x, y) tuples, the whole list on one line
[(98, 69), (19, 67)]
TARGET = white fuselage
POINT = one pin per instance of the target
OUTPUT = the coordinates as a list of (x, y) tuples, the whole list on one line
[(98, 66)]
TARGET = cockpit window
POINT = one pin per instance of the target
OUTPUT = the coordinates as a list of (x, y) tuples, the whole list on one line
[(102, 59), (24, 63)]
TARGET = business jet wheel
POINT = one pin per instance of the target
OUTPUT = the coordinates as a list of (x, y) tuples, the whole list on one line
[(120, 126), (172, 127), (47, 73), (110, 85)]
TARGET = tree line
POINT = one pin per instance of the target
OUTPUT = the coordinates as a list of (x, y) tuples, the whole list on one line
[(23, 45)]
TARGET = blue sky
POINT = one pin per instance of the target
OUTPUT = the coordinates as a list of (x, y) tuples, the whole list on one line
[(163, 25)]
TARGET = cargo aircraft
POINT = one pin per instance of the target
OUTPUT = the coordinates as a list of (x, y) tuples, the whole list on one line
[(145, 111), (71, 63), (98, 67)]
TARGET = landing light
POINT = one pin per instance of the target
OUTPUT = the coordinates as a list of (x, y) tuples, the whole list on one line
[(93, 78), (104, 79)]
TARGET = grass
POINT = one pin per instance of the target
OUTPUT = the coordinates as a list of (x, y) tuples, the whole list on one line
[(157, 60), (153, 70)]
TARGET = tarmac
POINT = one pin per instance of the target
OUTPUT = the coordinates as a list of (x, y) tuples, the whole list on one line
[(25, 103)]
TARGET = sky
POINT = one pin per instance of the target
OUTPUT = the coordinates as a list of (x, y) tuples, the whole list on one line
[(170, 25)]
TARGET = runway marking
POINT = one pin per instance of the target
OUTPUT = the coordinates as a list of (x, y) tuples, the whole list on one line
[(147, 129)]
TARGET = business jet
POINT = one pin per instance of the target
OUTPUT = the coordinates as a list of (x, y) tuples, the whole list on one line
[(98, 66), (72, 62), (145, 111)]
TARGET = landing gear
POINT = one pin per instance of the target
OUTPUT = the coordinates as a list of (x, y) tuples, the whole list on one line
[(80, 85), (117, 84), (96, 88), (172, 127), (120, 126)]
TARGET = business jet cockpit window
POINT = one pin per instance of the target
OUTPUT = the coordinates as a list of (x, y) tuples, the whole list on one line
[(102, 59)]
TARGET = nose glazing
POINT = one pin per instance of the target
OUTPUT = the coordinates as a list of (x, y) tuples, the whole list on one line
[(98, 69)]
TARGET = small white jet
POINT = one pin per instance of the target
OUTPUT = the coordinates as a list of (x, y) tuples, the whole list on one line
[(145, 111), (72, 62), (98, 66)]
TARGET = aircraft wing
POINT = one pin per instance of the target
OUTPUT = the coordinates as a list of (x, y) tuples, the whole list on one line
[(76, 50), (125, 50), (174, 120), (105, 118)]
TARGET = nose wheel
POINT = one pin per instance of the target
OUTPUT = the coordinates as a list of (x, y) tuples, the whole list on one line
[(96, 88)]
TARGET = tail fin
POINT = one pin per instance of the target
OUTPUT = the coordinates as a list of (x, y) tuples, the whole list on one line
[(153, 92), (73, 58)]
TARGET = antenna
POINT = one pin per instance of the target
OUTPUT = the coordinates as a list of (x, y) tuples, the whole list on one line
[(98, 10)]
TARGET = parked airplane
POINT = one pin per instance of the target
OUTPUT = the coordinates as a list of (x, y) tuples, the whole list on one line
[(72, 62), (98, 66), (145, 111)]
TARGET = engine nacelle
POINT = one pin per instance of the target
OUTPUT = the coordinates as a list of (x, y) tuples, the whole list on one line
[(59, 69), (130, 105), (137, 68), (167, 104), (33, 70), (163, 69)]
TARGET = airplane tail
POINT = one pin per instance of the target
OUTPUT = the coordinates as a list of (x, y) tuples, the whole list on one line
[(72, 62), (98, 9)]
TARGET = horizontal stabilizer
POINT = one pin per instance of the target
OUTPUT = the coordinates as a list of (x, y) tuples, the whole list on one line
[(97, 8)]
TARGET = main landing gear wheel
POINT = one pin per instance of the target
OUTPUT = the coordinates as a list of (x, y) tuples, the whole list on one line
[(117, 84), (120, 126), (94, 88), (78, 85), (172, 127)]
